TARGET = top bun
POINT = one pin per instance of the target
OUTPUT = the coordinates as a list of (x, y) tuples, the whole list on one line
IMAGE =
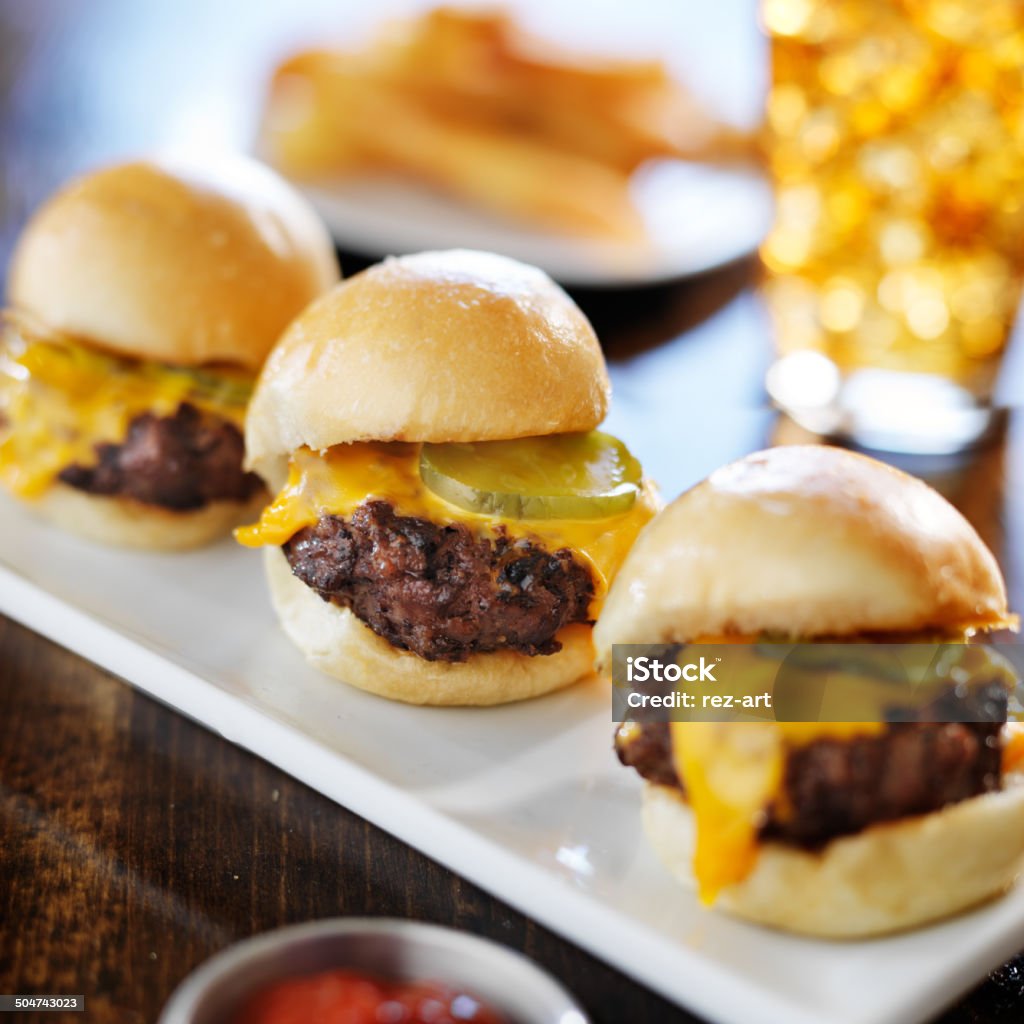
[(440, 346), (181, 263), (806, 541)]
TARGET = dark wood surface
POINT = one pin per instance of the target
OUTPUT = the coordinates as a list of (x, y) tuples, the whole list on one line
[(133, 843)]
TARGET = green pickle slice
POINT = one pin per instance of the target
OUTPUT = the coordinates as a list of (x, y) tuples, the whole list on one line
[(562, 476)]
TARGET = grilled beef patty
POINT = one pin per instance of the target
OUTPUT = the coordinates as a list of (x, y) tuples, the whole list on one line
[(441, 591), (836, 787), (179, 462)]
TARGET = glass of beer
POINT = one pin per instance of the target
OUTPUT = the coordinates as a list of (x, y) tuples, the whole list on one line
[(895, 138)]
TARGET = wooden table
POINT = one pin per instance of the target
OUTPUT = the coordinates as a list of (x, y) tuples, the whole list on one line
[(134, 844)]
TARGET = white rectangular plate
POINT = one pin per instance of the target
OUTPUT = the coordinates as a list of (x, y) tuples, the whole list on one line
[(527, 801)]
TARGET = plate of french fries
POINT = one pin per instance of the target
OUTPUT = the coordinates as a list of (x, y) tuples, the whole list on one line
[(457, 127)]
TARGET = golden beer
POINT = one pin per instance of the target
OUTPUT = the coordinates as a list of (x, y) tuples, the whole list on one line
[(895, 138)]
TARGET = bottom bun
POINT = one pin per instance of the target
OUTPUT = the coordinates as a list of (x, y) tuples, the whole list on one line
[(888, 878), (336, 642), (124, 523)]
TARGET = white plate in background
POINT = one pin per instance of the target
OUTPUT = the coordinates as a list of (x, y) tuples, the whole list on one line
[(698, 217), (528, 800)]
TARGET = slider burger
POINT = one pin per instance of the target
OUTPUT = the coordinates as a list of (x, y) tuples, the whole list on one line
[(831, 829), (448, 517), (142, 300)]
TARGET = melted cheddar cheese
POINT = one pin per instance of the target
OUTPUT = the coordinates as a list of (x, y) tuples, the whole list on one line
[(338, 480), (60, 398), (1013, 747), (732, 772)]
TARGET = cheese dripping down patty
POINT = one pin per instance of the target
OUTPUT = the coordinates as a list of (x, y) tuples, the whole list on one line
[(732, 772), (1013, 747), (337, 481), (60, 397)]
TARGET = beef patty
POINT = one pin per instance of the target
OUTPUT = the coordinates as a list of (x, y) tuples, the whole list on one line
[(179, 462), (835, 787), (443, 592)]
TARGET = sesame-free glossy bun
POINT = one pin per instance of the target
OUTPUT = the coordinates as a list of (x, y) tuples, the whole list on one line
[(173, 260), (440, 346), (336, 642), (886, 878), (803, 541)]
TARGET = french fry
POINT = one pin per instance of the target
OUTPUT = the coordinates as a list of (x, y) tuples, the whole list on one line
[(481, 64), (469, 103), (363, 124)]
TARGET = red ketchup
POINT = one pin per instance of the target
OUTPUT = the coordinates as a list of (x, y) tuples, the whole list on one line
[(346, 997)]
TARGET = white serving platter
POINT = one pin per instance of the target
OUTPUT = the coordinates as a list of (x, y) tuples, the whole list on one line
[(696, 217), (527, 800)]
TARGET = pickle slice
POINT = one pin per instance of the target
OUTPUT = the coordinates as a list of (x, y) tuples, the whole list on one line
[(223, 386), (562, 476)]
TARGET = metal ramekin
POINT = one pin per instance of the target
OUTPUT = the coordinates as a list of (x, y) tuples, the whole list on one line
[(396, 949)]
